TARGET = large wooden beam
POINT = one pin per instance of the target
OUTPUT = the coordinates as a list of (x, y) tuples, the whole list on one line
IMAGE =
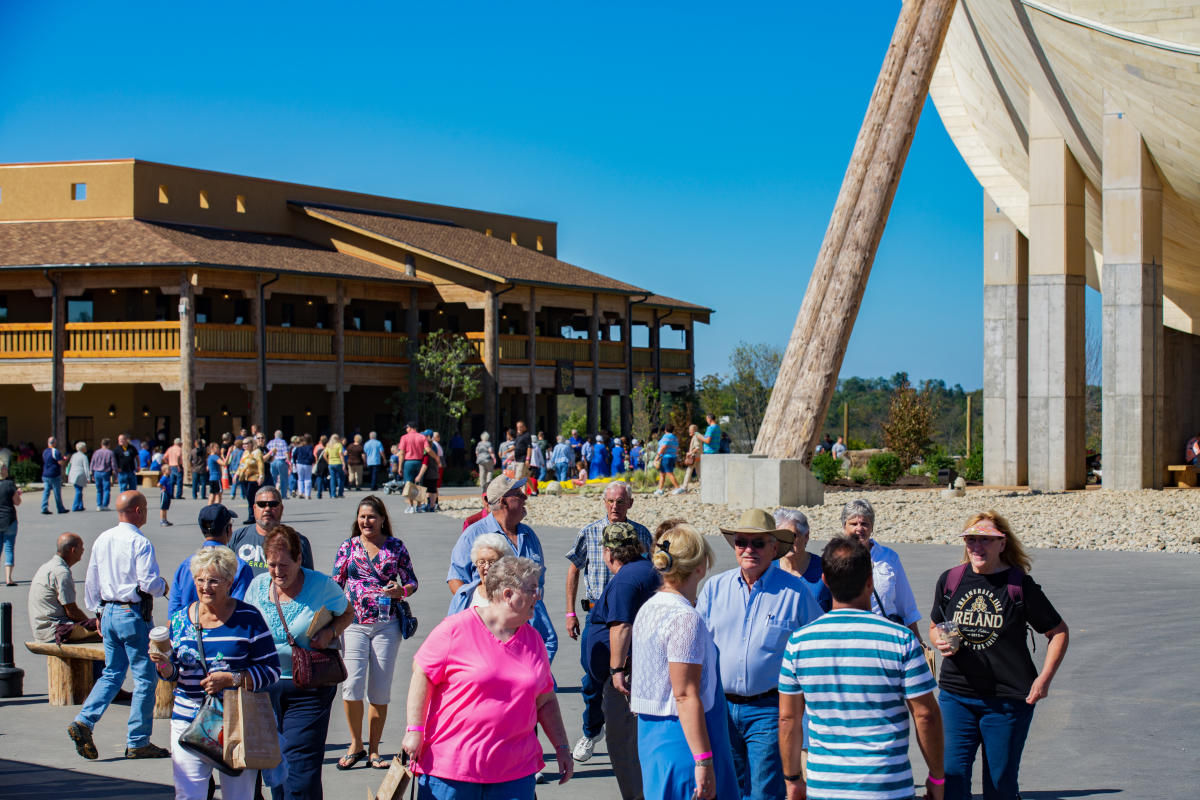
[(815, 351), (187, 371), (339, 364)]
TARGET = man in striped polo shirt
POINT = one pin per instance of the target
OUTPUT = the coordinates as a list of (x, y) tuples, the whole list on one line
[(858, 675)]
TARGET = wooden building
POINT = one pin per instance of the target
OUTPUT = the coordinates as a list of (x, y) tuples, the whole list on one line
[(145, 297)]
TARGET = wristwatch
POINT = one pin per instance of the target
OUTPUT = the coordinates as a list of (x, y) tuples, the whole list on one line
[(615, 670), (792, 778)]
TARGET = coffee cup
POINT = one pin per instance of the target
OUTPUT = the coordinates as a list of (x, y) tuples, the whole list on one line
[(160, 638), (951, 635)]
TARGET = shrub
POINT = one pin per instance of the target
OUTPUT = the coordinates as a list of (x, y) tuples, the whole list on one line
[(826, 468), (936, 459), (971, 467), (859, 475), (23, 471), (856, 444), (909, 428), (885, 468)]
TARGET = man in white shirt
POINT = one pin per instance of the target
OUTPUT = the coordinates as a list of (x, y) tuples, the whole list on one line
[(122, 580)]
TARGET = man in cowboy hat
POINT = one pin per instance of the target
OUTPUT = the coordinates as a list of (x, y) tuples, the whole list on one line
[(751, 611)]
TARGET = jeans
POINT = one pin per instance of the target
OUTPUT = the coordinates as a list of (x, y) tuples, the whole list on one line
[(304, 479), (431, 788), (754, 738), (592, 691), (1001, 726), (103, 488), (176, 482), (199, 485), (303, 716), (126, 647), (337, 476), (279, 475), (52, 486), (248, 490), (78, 504), (562, 471), (319, 483), (374, 470), (9, 537), (126, 482)]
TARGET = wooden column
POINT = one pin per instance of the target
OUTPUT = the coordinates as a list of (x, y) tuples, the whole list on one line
[(338, 417), (491, 362), (412, 324), (627, 395), (689, 335), (531, 398), (656, 353), (594, 394), (58, 345), (187, 371), (809, 372), (258, 403)]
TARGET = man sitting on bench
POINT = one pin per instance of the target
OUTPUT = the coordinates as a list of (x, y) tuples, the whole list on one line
[(53, 613)]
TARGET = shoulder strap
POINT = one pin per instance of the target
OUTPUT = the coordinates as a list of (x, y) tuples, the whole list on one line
[(954, 578), (1016, 585), (371, 565), (199, 635), (275, 596)]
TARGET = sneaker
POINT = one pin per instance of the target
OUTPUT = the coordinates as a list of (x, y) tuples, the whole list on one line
[(583, 749), (147, 751), (680, 490), (658, 492), (44, 511), (409, 510), (166, 523), (81, 735)]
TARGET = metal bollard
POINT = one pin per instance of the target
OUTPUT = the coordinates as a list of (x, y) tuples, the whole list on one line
[(12, 678)]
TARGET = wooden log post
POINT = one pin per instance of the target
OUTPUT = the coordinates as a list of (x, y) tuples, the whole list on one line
[(593, 413), (187, 372), (491, 366), (808, 375), (531, 398), (164, 699), (412, 327), (339, 364)]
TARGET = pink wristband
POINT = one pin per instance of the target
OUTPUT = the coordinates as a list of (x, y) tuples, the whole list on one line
[(415, 729), (703, 756), (571, 614), (936, 781)]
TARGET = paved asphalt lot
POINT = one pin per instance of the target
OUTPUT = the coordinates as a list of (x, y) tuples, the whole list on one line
[(1123, 716)]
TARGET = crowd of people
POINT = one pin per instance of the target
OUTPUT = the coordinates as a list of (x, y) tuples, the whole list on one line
[(792, 674)]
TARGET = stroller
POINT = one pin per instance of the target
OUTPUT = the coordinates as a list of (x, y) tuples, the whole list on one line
[(394, 487)]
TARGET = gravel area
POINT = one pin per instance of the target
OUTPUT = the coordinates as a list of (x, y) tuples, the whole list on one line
[(1147, 520)]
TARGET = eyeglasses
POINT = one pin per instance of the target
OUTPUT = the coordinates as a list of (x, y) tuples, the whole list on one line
[(750, 544), (267, 503), (485, 562), (209, 581)]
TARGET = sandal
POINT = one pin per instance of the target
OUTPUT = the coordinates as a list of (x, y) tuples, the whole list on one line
[(350, 759), (378, 763)]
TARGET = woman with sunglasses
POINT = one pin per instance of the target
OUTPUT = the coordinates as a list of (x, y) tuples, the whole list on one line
[(988, 680), (374, 568), (481, 685)]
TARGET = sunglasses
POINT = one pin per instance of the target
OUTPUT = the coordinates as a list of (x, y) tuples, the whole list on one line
[(267, 503), (751, 544)]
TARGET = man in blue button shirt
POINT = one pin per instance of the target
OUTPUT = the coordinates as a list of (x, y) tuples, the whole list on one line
[(751, 611), (373, 453)]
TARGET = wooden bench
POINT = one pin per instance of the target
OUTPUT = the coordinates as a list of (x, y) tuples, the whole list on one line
[(149, 478), (1181, 475), (70, 678)]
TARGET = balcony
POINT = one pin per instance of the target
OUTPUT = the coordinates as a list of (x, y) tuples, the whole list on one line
[(142, 340)]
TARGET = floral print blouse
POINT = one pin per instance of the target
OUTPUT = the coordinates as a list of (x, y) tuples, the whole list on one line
[(352, 570)]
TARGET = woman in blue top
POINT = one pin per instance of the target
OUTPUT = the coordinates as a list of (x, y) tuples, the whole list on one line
[(215, 465), (799, 561), (303, 714), (598, 466), (618, 458), (238, 652)]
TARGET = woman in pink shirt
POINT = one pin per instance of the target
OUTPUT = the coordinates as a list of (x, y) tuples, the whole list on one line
[(481, 685)]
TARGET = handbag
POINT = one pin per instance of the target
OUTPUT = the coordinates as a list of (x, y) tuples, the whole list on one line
[(204, 736), (251, 735), (408, 621), (311, 669)]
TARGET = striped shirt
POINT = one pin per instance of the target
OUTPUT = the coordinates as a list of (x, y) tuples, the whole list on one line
[(856, 670), (242, 644), (587, 555)]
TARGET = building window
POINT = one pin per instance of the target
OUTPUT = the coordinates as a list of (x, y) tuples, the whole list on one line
[(80, 311), (241, 313), (203, 199), (356, 319), (79, 191), (3, 318), (203, 309), (389, 321), (541, 244), (289, 315), (241, 204), (163, 196)]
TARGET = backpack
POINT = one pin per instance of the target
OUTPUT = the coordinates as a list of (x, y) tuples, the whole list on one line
[(1016, 592)]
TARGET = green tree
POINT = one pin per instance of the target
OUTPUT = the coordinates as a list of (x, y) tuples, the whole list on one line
[(647, 408), (715, 396), (909, 429), (574, 421), (753, 368), (448, 380)]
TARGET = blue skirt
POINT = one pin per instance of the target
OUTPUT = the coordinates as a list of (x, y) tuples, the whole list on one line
[(668, 769)]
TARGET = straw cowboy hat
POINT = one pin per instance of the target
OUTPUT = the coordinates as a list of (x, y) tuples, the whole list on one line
[(757, 522)]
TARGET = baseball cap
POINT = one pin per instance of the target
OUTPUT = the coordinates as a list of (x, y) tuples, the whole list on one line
[(619, 534), (213, 519), (502, 485)]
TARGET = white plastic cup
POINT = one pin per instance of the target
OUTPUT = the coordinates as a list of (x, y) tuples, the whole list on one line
[(951, 634)]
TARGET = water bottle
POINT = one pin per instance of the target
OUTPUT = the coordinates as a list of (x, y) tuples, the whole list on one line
[(385, 608)]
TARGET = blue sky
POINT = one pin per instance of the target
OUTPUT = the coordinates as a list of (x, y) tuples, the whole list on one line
[(695, 149)]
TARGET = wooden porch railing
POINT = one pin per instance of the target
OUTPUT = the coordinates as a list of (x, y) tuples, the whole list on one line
[(25, 340)]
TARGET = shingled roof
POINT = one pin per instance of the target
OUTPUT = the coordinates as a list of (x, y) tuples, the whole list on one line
[(467, 249), (134, 242)]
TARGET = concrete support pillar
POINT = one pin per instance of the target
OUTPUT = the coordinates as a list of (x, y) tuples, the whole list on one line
[(338, 417), (491, 366), (412, 324), (1005, 349), (1132, 288), (627, 395), (187, 371), (594, 395), (531, 324), (1056, 308)]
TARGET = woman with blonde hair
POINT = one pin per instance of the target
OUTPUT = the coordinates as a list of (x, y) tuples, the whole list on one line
[(989, 683), (683, 735)]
